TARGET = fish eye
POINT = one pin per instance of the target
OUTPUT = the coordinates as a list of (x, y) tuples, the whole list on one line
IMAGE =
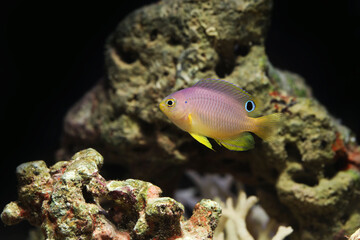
[(170, 102), (250, 106)]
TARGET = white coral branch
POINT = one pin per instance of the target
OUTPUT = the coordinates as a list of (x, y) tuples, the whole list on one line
[(355, 235), (232, 225), (282, 233)]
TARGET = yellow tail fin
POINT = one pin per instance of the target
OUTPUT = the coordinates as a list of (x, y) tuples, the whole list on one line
[(266, 127)]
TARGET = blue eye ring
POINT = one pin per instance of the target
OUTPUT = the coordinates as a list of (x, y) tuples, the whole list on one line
[(250, 106)]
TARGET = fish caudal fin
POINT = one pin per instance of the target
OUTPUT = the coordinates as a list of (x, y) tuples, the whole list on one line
[(266, 127), (243, 142)]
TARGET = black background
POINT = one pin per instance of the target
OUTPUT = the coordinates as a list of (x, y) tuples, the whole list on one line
[(51, 53)]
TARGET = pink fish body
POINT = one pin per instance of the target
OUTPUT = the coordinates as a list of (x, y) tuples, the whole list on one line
[(219, 110)]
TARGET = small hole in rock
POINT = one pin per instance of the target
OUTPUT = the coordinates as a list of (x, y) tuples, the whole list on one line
[(341, 161), (293, 152), (224, 67), (128, 56), (87, 196), (226, 63), (323, 144), (241, 50), (153, 34), (305, 178), (330, 171), (174, 40)]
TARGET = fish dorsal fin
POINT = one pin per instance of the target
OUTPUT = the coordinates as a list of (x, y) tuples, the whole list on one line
[(229, 89)]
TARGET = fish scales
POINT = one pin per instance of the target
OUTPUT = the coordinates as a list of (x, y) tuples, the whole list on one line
[(218, 115)]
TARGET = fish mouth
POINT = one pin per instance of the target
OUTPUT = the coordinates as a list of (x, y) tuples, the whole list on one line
[(162, 106)]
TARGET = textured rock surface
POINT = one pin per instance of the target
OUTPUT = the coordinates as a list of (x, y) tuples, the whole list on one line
[(302, 178), (65, 201)]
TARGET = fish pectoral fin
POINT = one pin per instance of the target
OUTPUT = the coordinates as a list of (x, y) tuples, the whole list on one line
[(243, 142), (202, 139)]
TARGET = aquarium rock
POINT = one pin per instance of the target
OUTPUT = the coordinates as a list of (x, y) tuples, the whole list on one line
[(307, 177), (71, 200)]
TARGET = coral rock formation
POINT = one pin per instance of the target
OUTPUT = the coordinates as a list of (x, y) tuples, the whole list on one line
[(65, 201), (301, 178)]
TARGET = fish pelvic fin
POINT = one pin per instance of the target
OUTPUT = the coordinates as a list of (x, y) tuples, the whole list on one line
[(266, 127), (245, 141), (202, 139)]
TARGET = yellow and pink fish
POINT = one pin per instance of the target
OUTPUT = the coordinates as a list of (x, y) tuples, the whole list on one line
[(220, 110)]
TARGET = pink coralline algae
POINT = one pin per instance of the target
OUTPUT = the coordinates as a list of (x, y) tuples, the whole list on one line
[(67, 201)]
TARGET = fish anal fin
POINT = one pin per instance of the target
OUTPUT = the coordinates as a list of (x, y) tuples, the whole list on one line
[(243, 142), (202, 140)]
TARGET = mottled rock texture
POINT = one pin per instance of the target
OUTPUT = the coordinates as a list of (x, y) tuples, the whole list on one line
[(303, 178), (65, 201)]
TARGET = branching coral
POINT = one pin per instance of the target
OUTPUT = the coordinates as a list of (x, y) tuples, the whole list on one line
[(232, 224), (65, 201)]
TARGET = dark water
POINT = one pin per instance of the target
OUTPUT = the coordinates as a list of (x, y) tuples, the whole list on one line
[(51, 54)]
